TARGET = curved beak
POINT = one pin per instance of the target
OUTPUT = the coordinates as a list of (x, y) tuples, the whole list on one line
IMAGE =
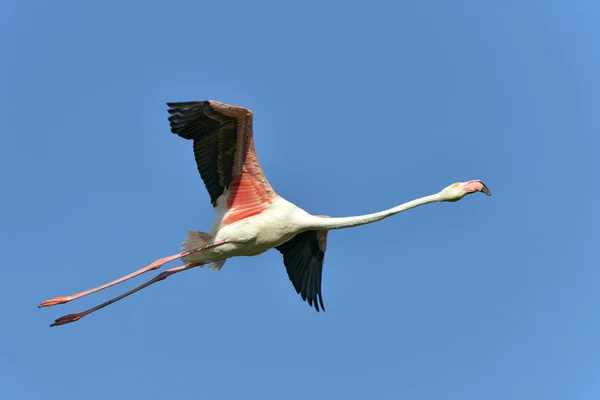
[(476, 186), (485, 189)]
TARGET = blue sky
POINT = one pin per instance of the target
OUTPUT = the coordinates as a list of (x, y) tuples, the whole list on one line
[(358, 107)]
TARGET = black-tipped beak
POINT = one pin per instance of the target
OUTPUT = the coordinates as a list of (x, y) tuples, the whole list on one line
[(485, 189)]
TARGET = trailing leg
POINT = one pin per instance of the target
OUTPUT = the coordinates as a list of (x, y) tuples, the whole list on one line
[(163, 275), (155, 265)]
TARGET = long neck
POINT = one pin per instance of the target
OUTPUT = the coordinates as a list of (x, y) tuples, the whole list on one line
[(318, 223)]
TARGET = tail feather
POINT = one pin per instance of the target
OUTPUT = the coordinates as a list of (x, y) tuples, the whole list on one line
[(195, 240), (217, 265)]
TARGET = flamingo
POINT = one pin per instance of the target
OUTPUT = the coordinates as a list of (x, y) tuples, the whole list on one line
[(251, 217)]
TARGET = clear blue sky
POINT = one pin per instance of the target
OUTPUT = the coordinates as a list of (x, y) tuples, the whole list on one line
[(358, 106)]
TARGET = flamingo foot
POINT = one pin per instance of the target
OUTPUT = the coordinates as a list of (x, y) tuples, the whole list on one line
[(66, 319), (55, 301)]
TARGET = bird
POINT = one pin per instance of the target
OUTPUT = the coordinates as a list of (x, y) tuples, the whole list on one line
[(251, 217)]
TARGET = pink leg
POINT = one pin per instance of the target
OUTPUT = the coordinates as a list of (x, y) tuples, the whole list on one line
[(163, 275), (155, 265)]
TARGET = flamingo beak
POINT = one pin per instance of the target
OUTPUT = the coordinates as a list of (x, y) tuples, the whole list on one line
[(476, 186), (485, 189)]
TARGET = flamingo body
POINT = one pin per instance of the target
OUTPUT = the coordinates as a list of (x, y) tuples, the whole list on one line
[(253, 235), (251, 217)]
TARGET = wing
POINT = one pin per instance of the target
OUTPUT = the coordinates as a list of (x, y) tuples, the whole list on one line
[(303, 257), (224, 152)]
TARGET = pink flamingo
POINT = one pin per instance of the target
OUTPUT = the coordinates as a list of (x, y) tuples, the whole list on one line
[(252, 218)]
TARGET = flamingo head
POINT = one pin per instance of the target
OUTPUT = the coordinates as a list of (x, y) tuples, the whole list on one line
[(458, 190)]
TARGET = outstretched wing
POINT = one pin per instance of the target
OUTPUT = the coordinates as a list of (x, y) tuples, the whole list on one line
[(224, 152), (303, 257)]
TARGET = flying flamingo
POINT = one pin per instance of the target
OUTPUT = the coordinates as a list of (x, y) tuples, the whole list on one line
[(251, 217)]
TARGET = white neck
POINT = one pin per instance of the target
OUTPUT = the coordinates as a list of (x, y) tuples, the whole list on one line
[(318, 223)]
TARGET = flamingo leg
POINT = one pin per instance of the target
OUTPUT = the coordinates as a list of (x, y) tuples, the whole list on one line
[(163, 275), (155, 265)]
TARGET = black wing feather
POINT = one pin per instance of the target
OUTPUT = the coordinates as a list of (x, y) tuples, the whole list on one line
[(210, 131), (303, 259)]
